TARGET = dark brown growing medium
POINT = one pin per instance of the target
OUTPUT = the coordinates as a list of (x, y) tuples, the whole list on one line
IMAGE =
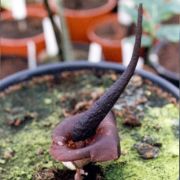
[(10, 28), (83, 4), (90, 120), (114, 30)]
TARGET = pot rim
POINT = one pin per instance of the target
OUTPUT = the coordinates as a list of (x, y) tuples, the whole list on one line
[(80, 65), (101, 40), (154, 60), (31, 12), (108, 6)]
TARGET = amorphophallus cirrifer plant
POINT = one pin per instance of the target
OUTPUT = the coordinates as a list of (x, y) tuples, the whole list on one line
[(92, 136), (103, 146)]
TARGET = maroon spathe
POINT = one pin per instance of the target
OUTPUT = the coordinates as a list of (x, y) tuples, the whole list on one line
[(103, 146)]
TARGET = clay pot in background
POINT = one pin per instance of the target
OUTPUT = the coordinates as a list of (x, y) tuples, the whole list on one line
[(18, 46), (164, 57), (78, 20), (38, 5), (108, 32)]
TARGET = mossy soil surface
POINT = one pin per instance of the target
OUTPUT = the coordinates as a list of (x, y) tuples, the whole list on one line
[(28, 115)]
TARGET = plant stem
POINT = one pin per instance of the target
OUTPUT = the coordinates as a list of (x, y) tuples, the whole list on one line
[(66, 43), (87, 125), (56, 30)]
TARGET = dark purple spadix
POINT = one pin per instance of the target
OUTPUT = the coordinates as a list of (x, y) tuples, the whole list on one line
[(89, 120)]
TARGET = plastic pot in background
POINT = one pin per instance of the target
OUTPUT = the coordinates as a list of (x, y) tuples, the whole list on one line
[(78, 21), (154, 59), (12, 46)]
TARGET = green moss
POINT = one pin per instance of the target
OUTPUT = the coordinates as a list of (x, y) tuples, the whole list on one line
[(31, 146), (165, 166), (30, 143)]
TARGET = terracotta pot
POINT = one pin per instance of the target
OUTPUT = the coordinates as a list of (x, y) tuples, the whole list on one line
[(36, 5), (78, 21), (111, 47), (18, 47)]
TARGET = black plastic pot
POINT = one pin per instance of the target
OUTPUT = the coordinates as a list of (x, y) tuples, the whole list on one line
[(80, 65), (162, 71)]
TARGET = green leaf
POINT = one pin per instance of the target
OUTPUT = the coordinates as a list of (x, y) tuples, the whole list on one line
[(145, 42), (155, 11), (169, 32)]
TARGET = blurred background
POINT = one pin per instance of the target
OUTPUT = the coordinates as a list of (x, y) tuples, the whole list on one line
[(36, 32)]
